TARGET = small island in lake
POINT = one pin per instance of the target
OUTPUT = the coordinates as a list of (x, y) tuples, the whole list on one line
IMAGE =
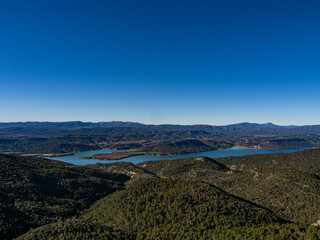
[(178, 147), (120, 154), (47, 154)]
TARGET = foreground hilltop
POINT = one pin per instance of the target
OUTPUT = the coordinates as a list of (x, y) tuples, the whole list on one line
[(272, 196), (174, 209), (167, 209)]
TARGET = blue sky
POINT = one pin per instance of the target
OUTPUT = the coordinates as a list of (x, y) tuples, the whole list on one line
[(212, 62)]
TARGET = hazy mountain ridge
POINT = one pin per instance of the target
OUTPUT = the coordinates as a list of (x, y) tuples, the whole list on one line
[(240, 128)]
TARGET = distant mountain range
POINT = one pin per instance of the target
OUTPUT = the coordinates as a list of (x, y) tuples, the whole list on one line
[(239, 129)]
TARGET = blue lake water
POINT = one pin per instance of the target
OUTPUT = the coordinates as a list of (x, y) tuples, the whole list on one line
[(74, 159)]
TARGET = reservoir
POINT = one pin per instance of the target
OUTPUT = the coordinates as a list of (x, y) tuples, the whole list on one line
[(74, 159)]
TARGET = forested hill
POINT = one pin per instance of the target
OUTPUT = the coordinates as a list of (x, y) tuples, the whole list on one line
[(287, 183), (167, 209), (180, 147), (174, 209), (306, 160)]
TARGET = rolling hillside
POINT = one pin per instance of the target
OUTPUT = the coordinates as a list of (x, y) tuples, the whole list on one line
[(167, 209), (271, 196)]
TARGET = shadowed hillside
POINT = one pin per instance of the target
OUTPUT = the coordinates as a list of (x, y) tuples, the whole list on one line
[(35, 191)]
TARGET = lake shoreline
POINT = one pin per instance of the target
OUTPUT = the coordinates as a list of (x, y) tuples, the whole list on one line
[(105, 156), (77, 158)]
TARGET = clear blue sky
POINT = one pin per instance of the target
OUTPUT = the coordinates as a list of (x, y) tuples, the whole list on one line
[(215, 62)]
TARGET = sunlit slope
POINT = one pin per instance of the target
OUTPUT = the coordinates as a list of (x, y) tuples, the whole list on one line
[(167, 209)]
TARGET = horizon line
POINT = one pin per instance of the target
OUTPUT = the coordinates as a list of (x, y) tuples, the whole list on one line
[(143, 123)]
